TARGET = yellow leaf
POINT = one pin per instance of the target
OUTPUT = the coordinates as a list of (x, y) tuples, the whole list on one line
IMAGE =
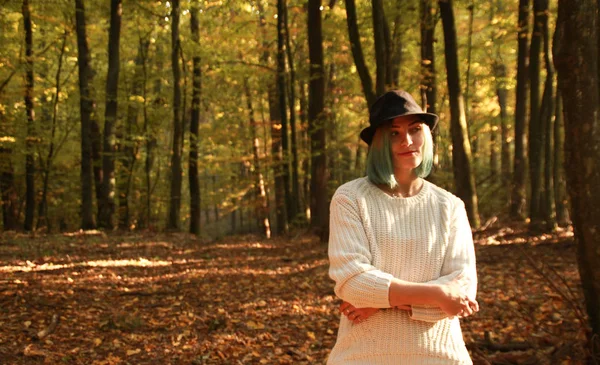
[(97, 341), (133, 352), (311, 335)]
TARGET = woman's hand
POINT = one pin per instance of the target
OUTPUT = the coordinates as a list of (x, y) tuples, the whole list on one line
[(454, 300), (356, 315)]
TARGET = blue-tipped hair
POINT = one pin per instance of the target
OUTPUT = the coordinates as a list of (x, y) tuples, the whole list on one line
[(380, 169)]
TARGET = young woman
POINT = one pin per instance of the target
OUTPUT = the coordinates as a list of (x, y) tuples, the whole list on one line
[(400, 249)]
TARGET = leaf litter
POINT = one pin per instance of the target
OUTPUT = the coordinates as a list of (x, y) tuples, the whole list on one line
[(148, 298)]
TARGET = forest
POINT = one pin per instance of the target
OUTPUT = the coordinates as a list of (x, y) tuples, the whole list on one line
[(150, 148)]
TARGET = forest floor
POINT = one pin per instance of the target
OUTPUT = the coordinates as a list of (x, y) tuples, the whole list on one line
[(148, 298)]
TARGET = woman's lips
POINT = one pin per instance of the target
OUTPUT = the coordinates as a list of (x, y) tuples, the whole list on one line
[(409, 153)]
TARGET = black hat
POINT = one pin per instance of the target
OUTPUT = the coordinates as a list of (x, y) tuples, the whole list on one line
[(391, 105)]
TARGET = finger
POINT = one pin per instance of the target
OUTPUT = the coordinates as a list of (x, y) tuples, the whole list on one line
[(343, 306), (475, 305)]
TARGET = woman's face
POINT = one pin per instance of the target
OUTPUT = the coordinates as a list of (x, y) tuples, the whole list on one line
[(407, 138)]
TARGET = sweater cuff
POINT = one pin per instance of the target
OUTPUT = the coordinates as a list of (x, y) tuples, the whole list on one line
[(427, 313)]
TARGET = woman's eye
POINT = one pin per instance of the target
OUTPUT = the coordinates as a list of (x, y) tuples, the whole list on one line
[(415, 129), (394, 133)]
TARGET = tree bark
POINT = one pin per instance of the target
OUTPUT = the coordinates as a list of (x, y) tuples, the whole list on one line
[(546, 119), (576, 60), (357, 53), (319, 206), (176, 171), (87, 108), (29, 159), (106, 208), (517, 202), (294, 140), (282, 94), (461, 150), (194, 181), (379, 23), (262, 206), (535, 123), (129, 147)]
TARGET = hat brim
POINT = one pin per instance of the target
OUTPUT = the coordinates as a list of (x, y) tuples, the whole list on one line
[(428, 118)]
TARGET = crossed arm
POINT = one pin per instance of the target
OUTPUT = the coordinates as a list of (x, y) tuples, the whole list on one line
[(365, 289)]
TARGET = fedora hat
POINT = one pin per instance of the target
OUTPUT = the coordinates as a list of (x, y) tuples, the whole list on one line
[(393, 104)]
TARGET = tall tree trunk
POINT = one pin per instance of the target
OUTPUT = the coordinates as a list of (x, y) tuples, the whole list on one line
[(517, 201), (546, 118), (282, 93), (262, 207), (129, 146), (194, 125), (535, 124), (274, 116), (176, 172), (428, 85), (576, 59), (106, 208), (357, 53), (461, 151), (87, 107), (292, 106), (502, 94), (379, 23), (467, 95), (43, 219), (560, 185), (319, 206), (29, 160)]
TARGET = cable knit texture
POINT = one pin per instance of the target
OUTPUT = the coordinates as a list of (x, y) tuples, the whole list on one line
[(374, 238)]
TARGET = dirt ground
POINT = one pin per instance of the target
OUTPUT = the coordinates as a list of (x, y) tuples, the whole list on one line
[(148, 298)]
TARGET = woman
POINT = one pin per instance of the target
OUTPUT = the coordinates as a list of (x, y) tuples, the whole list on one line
[(400, 249)]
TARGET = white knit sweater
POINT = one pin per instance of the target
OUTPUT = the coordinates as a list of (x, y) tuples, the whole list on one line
[(375, 237)]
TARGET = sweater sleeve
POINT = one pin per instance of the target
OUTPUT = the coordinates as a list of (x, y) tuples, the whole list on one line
[(357, 281), (459, 259)]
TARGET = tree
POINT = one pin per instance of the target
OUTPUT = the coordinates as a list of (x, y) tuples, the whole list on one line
[(176, 173), (517, 201), (87, 108), (106, 206), (357, 54), (464, 178), (576, 57), (29, 164), (319, 206), (535, 123), (194, 124), (282, 93)]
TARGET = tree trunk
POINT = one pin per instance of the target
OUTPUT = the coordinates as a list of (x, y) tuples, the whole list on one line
[(262, 207), (576, 59), (517, 201), (535, 124), (319, 206), (9, 196), (467, 96), (294, 140), (176, 172), (560, 185), (106, 206), (128, 151), (357, 53), (547, 115), (428, 85), (43, 219), (461, 151), (87, 107), (282, 94), (194, 126), (379, 23), (502, 94), (29, 159)]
